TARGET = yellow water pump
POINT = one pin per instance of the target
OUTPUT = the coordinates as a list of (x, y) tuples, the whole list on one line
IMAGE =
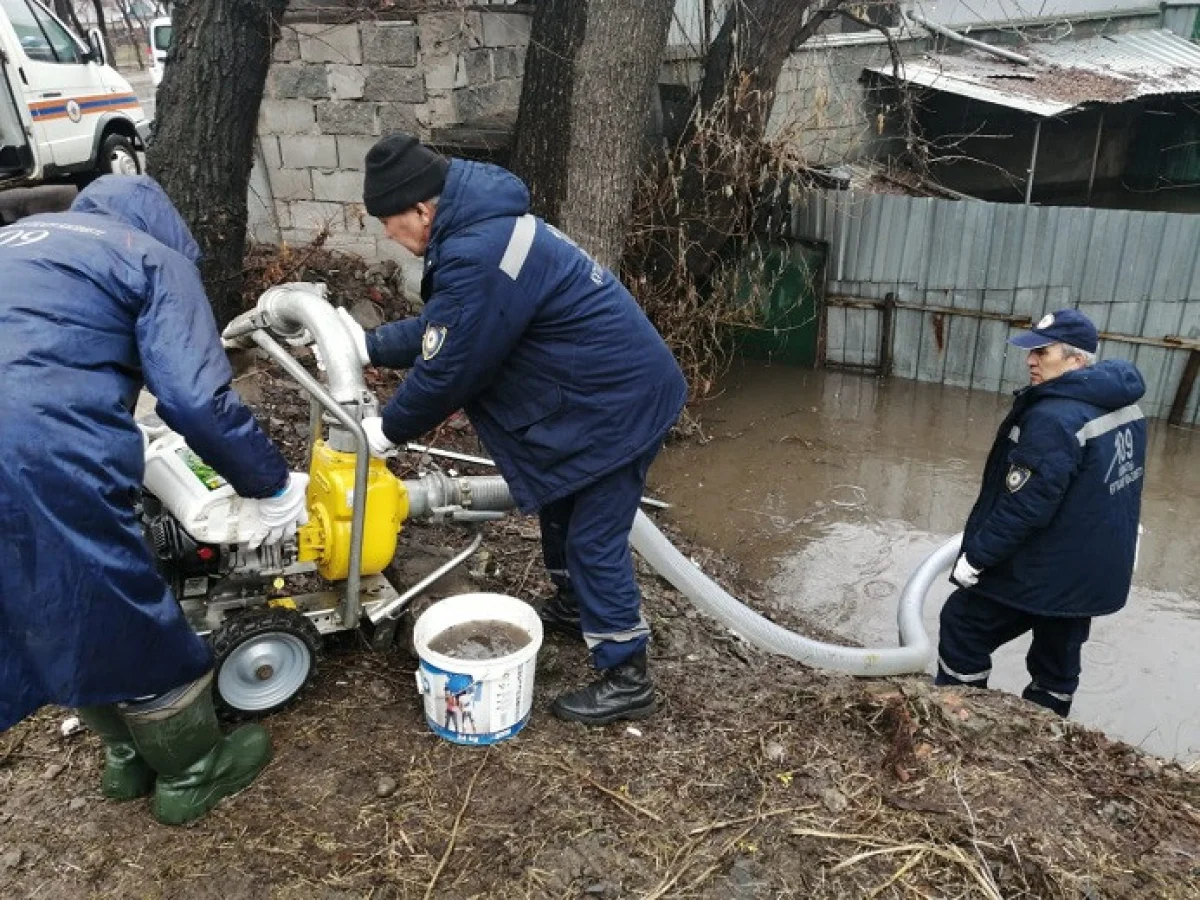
[(326, 538)]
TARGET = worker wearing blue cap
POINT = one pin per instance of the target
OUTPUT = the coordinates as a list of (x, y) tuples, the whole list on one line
[(1051, 540)]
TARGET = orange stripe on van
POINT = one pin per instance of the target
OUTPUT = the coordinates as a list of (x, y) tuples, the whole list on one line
[(49, 110)]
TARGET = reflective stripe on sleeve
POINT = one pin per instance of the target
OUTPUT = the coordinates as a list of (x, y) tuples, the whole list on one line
[(519, 245), (1107, 422)]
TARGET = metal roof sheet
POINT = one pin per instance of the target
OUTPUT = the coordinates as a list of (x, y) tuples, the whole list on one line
[(1065, 75)]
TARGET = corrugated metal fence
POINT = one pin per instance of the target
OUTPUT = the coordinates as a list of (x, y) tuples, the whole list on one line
[(931, 289)]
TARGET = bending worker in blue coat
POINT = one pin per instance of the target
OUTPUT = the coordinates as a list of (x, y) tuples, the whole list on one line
[(567, 383), (98, 301), (1051, 541)]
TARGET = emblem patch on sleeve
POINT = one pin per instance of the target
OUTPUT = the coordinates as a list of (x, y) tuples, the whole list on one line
[(435, 337), (1016, 478)]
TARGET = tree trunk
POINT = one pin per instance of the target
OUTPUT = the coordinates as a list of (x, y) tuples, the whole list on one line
[(98, 6), (589, 73), (203, 146), (66, 12), (719, 188), (716, 174), (138, 43)]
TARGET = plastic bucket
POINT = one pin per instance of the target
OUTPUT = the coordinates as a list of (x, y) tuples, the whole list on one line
[(477, 701)]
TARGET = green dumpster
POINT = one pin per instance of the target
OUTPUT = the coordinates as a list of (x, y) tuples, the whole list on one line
[(782, 280)]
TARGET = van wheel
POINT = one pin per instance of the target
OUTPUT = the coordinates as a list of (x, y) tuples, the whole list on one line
[(117, 156)]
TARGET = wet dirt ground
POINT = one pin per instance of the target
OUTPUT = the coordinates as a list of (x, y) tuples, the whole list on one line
[(831, 487)]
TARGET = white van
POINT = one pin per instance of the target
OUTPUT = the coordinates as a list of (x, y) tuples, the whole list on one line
[(160, 42), (65, 114)]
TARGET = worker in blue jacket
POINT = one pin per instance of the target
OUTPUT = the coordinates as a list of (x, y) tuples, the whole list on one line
[(98, 301), (567, 383), (1051, 540)]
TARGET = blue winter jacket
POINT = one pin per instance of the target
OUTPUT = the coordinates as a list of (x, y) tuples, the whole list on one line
[(558, 368), (95, 302), (1055, 525)]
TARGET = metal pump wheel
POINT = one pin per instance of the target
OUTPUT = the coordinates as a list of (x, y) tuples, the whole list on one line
[(263, 660)]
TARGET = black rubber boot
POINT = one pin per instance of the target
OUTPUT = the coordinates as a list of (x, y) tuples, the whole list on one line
[(126, 775), (561, 613), (622, 692)]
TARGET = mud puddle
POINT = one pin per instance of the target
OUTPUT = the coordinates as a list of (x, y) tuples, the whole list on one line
[(829, 488)]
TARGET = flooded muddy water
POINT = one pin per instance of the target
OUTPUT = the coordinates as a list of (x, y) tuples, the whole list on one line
[(829, 488)]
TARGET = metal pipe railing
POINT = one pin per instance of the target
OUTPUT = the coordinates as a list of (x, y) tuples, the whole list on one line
[(351, 603), (397, 606)]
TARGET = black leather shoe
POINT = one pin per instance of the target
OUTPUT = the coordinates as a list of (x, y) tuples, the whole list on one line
[(1056, 703), (622, 692), (561, 613)]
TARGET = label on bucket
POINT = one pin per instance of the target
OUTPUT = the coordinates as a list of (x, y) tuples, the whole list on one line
[(465, 710)]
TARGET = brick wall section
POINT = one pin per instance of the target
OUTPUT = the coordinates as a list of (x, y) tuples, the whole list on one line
[(334, 89)]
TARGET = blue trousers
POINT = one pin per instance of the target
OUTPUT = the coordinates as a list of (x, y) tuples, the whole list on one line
[(973, 627), (585, 545)]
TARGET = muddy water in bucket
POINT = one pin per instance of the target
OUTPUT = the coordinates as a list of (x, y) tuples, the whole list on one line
[(489, 639), (478, 654)]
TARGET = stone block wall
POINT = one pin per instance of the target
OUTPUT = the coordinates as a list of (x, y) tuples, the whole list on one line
[(822, 108), (336, 86), (334, 89), (829, 114)]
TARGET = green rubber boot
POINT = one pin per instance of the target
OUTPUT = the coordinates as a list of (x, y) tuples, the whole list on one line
[(126, 775), (178, 736)]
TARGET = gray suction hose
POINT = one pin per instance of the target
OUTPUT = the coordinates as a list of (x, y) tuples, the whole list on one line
[(912, 656), (436, 494)]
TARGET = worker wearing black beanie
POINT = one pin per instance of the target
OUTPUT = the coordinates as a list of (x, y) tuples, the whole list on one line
[(568, 385), (401, 172)]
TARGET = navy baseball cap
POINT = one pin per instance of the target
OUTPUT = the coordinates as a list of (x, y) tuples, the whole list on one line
[(1067, 326)]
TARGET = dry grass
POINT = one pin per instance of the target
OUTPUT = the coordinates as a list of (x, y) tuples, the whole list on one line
[(699, 210)]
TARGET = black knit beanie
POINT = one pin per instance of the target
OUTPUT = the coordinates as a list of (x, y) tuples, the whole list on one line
[(401, 172)]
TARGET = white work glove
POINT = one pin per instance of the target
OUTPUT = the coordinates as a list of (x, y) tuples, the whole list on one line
[(965, 575), (357, 335), (282, 514), (380, 446)]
